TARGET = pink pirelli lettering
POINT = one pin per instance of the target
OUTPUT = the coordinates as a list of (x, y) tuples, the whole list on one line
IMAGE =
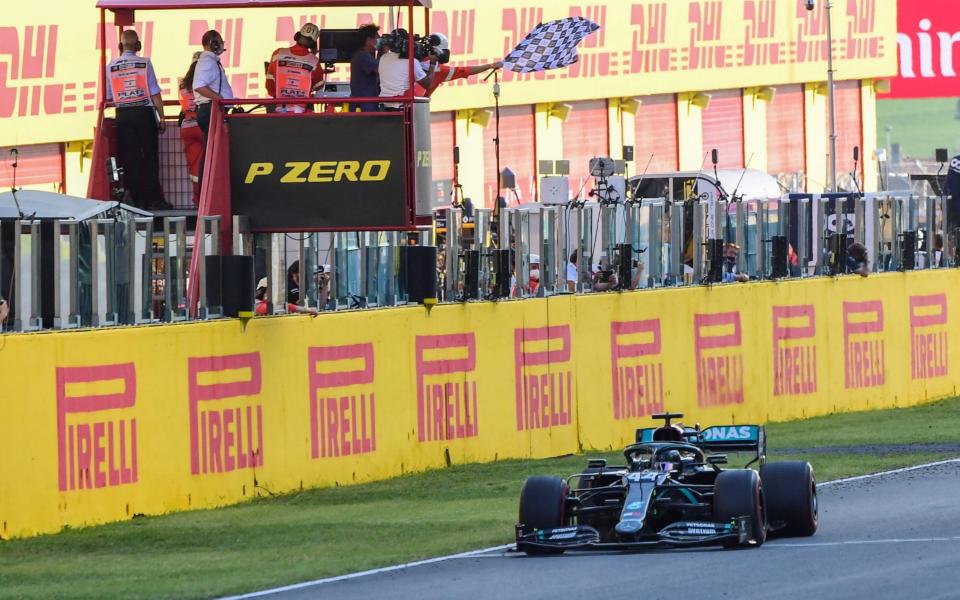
[(96, 432), (544, 377), (226, 418)]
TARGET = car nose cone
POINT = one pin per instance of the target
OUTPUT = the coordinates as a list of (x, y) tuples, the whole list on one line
[(630, 527)]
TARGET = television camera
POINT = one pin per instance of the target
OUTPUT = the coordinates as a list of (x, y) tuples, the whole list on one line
[(434, 44)]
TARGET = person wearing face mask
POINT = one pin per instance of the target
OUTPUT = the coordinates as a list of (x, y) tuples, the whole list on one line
[(730, 272), (209, 83), (534, 273)]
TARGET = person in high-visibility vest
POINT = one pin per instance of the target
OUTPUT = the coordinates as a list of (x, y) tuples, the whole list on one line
[(293, 71), (190, 133), (445, 72), (132, 87)]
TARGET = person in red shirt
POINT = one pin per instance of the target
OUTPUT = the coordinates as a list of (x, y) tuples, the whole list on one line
[(293, 72), (447, 72), (190, 133)]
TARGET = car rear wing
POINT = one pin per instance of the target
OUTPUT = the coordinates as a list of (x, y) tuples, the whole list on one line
[(719, 438)]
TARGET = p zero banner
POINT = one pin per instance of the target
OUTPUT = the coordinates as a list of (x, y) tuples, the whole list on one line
[(49, 58), (300, 173), (929, 50), (106, 424)]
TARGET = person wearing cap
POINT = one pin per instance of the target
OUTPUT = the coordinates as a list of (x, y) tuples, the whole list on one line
[(133, 88), (534, 273), (190, 133), (446, 72), (292, 72), (261, 306)]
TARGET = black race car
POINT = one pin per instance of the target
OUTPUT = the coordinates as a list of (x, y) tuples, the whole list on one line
[(671, 492)]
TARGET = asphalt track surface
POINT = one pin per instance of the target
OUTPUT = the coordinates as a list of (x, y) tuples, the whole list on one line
[(894, 536)]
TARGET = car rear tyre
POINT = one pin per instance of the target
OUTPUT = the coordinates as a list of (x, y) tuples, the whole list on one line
[(739, 493), (543, 505), (791, 492)]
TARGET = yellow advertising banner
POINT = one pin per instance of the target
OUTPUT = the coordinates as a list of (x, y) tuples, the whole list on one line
[(49, 58), (98, 426)]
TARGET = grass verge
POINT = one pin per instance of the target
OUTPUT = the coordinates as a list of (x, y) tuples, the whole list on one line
[(318, 533)]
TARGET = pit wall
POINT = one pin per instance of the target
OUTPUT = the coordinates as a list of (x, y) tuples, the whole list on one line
[(98, 426)]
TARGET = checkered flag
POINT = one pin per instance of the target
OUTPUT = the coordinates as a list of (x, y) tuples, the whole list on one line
[(550, 45)]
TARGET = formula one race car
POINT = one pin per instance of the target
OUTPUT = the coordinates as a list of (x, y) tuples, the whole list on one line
[(671, 492)]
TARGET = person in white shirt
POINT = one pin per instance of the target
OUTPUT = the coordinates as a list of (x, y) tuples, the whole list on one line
[(209, 83), (395, 71), (132, 87), (572, 275)]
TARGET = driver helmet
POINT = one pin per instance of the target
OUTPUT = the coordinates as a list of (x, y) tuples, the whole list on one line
[(669, 461), (309, 35)]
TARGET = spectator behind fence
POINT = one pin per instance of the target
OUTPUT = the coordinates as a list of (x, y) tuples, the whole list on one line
[(572, 273), (534, 273), (261, 304), (857, 259), (731, 273), (604, 277)]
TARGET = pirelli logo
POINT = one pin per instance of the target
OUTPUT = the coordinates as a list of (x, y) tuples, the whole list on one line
[(446, 387), (794, 350), (96, 426), (929, 351), (544, 377), (718, 348), (865, 363), (637, 368), (343, 408), (330, 171)]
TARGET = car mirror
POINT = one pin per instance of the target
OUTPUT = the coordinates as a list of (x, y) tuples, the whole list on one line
[(717, 459)]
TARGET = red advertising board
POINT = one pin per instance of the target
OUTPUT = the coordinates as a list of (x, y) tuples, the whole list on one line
[(929, 47)]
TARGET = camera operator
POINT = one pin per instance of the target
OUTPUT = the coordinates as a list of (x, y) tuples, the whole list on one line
[(394, 68), (445, 72), (604, 278)]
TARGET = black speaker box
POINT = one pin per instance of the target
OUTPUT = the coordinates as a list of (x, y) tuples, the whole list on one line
[(235, 293), (421, 273)]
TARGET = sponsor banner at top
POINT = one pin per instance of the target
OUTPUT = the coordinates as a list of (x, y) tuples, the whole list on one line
[(929, 31), (49, 60)]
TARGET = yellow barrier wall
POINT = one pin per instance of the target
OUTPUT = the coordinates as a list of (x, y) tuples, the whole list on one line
[(98, 426)]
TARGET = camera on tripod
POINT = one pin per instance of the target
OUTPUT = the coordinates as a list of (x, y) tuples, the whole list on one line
[(398, 41)]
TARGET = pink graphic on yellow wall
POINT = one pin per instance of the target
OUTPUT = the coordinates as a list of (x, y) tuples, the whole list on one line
[(636, 368), (226, 416), (544, 377), (446, 386), (929, 352), (794, 350), (864, 350), (718, 349), (96, 432), (343, 410)]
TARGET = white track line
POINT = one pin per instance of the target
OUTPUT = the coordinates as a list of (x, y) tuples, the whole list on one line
[(419, 563), (440, 559), (955, 538), (891, 472)]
